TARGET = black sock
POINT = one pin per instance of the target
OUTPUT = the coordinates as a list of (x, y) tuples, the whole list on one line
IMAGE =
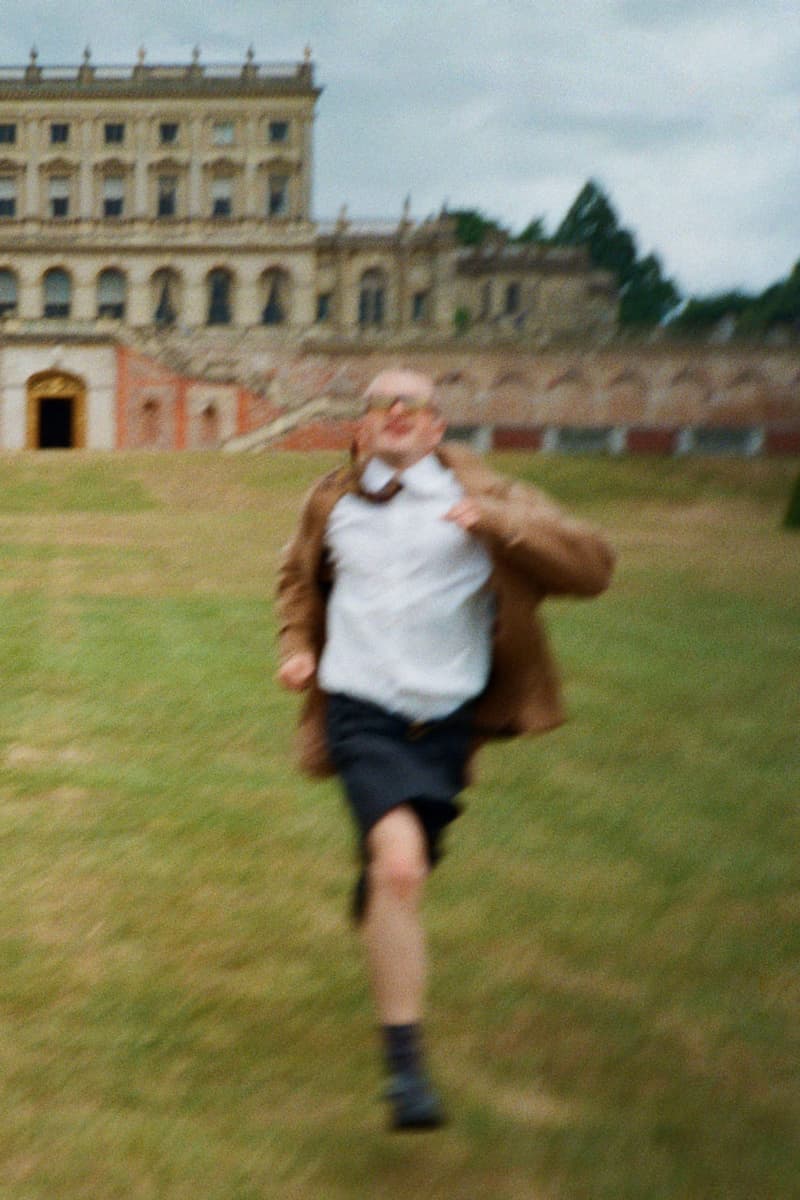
[(403, 1047)]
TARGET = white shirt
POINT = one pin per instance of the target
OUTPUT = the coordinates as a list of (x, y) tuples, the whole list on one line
[(410, 613)]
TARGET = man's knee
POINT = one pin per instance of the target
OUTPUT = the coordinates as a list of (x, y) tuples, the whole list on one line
[(398, 859), (402, 874)]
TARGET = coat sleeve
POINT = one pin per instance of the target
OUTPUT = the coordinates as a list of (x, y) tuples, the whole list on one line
[(557, 554), (301, 585)]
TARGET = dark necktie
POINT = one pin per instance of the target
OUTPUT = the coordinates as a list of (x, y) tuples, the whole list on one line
[(384, 494)]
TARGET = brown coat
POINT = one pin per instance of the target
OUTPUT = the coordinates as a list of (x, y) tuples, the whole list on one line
[(536, 551)]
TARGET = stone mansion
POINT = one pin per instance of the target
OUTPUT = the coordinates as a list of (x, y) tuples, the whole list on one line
[(179, 196), (164, 284)]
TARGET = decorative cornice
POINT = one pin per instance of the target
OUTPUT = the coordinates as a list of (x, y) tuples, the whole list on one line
[(158, 80)]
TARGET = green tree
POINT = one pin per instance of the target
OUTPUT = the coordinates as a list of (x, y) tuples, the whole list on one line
[(702, 314), (592, 222), (779, 305), (473, 226), (534, 231), (645, 295)]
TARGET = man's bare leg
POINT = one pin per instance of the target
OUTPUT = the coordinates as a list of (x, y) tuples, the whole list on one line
[(393, 933), (395, 945)]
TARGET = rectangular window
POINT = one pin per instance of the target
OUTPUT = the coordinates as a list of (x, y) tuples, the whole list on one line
[(8, 134), (324, 306), (167, 196), (8, 198), (168, 133), (512, 298), (114, 134), (59, 197), (222, 197), (419, 306), (279, 131), (113, 196), (278, 197), (222, 133), (59, 133)]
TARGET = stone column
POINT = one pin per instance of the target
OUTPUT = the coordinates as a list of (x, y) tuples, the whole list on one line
[(32, 159), (249, 199), (85, 170), (140, 169), (195, 300), (84, 291), (138, 310), (306, 172), (29, 302), (246, 299), (195, 200)]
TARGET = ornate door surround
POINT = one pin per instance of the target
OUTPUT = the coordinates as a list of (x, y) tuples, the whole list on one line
[(55, 385)]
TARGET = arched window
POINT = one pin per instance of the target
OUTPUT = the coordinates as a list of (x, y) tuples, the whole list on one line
[(209, 426), (276, 294), (372, 299), (165, 292), (151, 422), (57, 293), (219, 298), (8, 293), (111, 294)]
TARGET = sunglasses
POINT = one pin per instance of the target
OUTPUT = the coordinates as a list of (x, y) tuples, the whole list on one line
[(412, 403)]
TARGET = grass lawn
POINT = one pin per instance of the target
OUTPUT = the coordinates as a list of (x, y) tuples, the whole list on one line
[(614, 932)]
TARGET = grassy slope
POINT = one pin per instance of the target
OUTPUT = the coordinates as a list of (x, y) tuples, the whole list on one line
[(614, 934)]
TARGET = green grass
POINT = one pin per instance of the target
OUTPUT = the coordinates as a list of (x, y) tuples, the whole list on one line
[(614, 932)]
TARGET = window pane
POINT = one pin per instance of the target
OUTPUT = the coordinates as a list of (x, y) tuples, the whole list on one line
[(59, 197), (8, 288), (8, 197), (113, 196), (223, 133), (8, 134), (168, 133), (222, 197), (111, 294), (59, 133), (167, 196), (219, 298), (115, 133), (278, 200), (279, 131), (57, 294)]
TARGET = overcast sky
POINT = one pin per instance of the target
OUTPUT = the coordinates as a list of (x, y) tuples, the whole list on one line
[(687, 112)]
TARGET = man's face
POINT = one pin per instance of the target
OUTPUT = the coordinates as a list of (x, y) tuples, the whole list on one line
[(401, 424)]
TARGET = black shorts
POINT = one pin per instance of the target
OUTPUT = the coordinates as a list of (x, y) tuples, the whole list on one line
[(385, 760)]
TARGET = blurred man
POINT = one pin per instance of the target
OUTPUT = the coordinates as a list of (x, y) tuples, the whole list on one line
[(407, 602)]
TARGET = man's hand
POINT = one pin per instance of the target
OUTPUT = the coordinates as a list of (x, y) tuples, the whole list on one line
[(298, 671), (466, 514)]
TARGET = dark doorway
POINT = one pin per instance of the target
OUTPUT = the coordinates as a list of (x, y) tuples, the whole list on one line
[(56, 419)]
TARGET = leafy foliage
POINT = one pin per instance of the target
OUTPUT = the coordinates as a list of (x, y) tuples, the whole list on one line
[(473, 227), (645, 295), (777, 307)]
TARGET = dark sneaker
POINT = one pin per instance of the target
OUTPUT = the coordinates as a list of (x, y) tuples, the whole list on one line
[(413, 1102)]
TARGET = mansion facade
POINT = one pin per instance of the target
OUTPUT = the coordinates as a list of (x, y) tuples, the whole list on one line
[(173, 198), (165, 285)]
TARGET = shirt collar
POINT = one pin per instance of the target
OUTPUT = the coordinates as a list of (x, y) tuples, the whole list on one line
[(427, 477)]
